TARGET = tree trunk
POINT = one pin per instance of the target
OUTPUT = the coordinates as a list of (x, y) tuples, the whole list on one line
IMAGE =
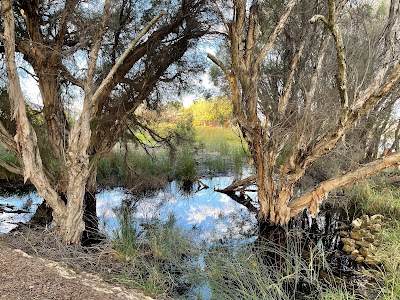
[(92, 233), (43, 215)]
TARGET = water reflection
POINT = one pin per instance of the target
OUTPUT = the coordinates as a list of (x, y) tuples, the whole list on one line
[(16, 208), (212, 215)]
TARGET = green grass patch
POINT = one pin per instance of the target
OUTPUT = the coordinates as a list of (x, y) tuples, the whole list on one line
[(136, 169), (185, 165), (375, 196), (157, 256)]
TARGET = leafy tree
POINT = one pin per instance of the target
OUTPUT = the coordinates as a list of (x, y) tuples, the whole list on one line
[(217, 109), (111, 58)]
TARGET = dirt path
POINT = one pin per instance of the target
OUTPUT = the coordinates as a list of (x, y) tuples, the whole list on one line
[(27, 277)]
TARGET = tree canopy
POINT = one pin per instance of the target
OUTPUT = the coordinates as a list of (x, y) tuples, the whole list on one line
[(111, 59)]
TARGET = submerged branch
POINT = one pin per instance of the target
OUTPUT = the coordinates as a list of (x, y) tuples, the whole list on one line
[(239, 185)]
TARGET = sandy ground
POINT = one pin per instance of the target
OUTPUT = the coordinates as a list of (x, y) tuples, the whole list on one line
[(24, 277)]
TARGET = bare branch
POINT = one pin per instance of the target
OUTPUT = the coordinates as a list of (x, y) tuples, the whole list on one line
[(71, 78), (284, 99), (341, 75), (309, 95), (317, 18), (67, 11), (271, 40), (251, 33), (11, 168), (368, 99), (219, 64), (221, 16), (7, 139), (239, 184), (95, 50)]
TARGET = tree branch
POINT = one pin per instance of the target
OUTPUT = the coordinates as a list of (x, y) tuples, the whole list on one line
[(11, 168), (313, 198), (278, 28), (109, 78), (284, 99), (95, 50), (219, 64), (67, 75), (67, 11), (341, 75)]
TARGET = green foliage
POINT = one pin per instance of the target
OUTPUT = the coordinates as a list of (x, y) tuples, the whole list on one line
[(222, 150), (185, 165), (212, 110), (375, 196), (135, 169), (184, 134), (382, 10)]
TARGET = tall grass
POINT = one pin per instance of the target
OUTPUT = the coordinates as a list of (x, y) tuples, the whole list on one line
[(185, 165), (161, 259), (375, 196), (271, 271), (136, 169), (157, 257), (388, 280)]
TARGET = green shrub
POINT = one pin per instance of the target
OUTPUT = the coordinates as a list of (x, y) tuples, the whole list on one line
[(185, 165)]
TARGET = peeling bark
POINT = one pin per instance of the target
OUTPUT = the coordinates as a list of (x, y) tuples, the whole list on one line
[(268, 136), (25, 138), (70, 189)]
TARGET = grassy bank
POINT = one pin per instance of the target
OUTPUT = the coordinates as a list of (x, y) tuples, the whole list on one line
[(377, 196), (161, 259), (204, 151)]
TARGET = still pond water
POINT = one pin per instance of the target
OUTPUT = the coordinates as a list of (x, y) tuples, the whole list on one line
[(211, 215)]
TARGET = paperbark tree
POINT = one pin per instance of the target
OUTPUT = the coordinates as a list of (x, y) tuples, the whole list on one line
[(292, 104), (113, 82)]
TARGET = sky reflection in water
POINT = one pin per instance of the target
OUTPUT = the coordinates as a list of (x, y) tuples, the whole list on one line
[(212, 215)]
